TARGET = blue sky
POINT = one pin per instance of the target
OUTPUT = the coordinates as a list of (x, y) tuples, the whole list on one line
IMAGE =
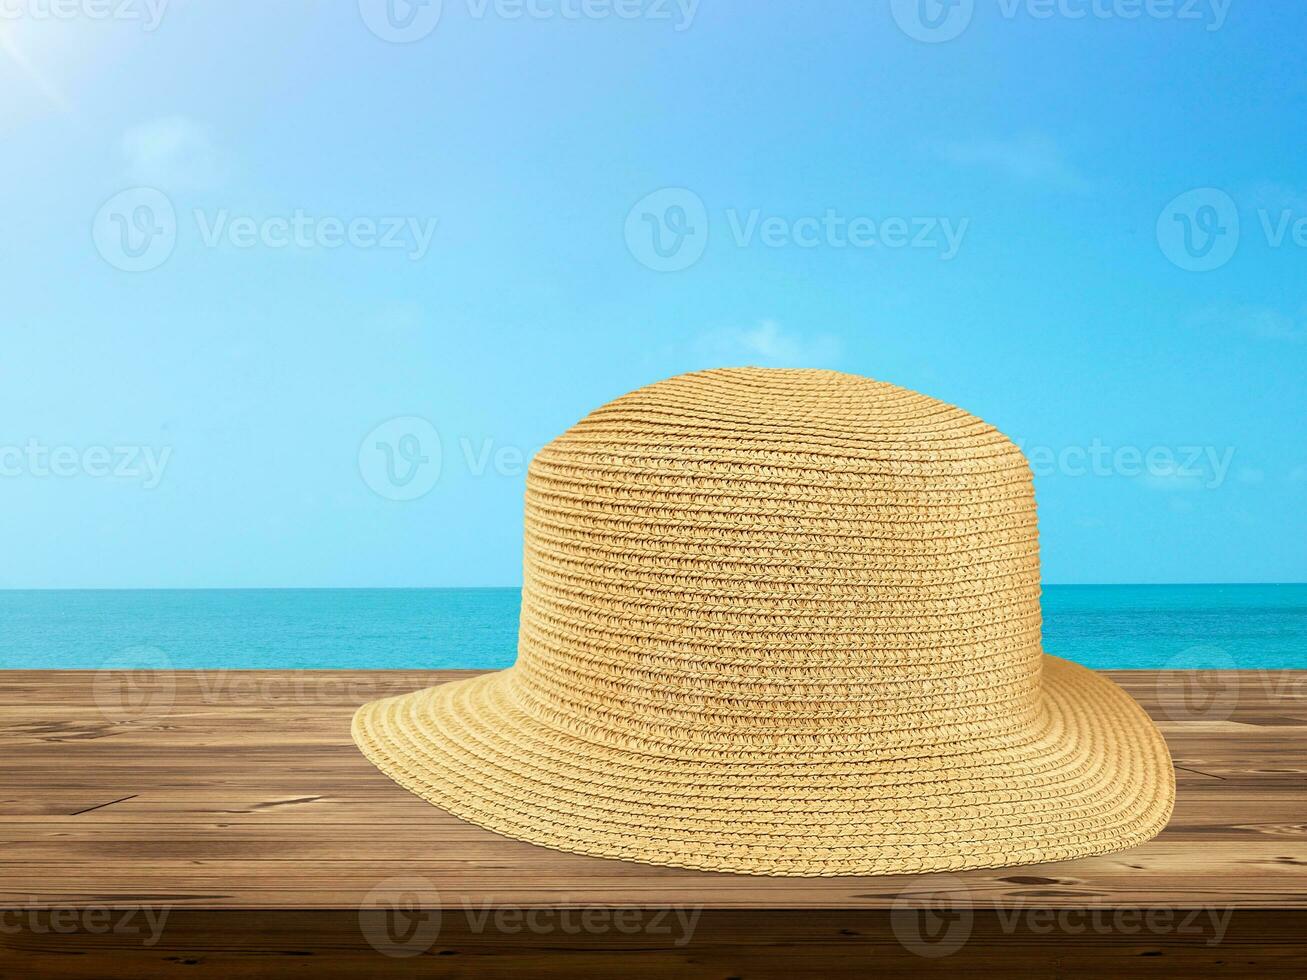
[(240, 238)]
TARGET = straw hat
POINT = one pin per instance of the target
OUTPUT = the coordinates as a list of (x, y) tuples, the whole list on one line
[(783, 622)]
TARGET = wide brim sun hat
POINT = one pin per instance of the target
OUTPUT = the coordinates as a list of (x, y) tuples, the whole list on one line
[(783, 622)]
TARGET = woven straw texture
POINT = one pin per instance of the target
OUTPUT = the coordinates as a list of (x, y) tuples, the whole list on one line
[(783, 622)]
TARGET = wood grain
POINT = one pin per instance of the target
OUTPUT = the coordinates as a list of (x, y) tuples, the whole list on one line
[(236, 800)]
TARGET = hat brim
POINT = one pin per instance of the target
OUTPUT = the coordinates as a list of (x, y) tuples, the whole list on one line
[(1093, 776)]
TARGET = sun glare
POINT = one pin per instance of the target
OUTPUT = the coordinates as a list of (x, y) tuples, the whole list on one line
[(27, 75)]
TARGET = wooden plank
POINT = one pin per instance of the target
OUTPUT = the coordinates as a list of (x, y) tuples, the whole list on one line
[(236, 802), (838, 943)]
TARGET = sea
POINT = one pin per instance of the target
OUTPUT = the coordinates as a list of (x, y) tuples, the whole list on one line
[(1100, 626)]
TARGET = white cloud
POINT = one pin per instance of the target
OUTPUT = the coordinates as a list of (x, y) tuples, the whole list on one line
[(768, 345), (1173, 481), (9, 46), (1271, 325), (400, 317), (172, 153), (1260, 322), (1031, 158), (1251, 475), (1274, 196)]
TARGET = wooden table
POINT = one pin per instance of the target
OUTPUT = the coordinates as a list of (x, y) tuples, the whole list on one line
[(223, 824)]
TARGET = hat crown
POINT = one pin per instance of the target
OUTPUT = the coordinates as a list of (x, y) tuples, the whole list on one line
[(784, 556)]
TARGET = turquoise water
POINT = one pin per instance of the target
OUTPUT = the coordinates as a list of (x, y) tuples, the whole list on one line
[(1098, 625)]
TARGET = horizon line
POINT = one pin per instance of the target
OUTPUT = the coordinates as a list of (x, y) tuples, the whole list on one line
[(450, 588)]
